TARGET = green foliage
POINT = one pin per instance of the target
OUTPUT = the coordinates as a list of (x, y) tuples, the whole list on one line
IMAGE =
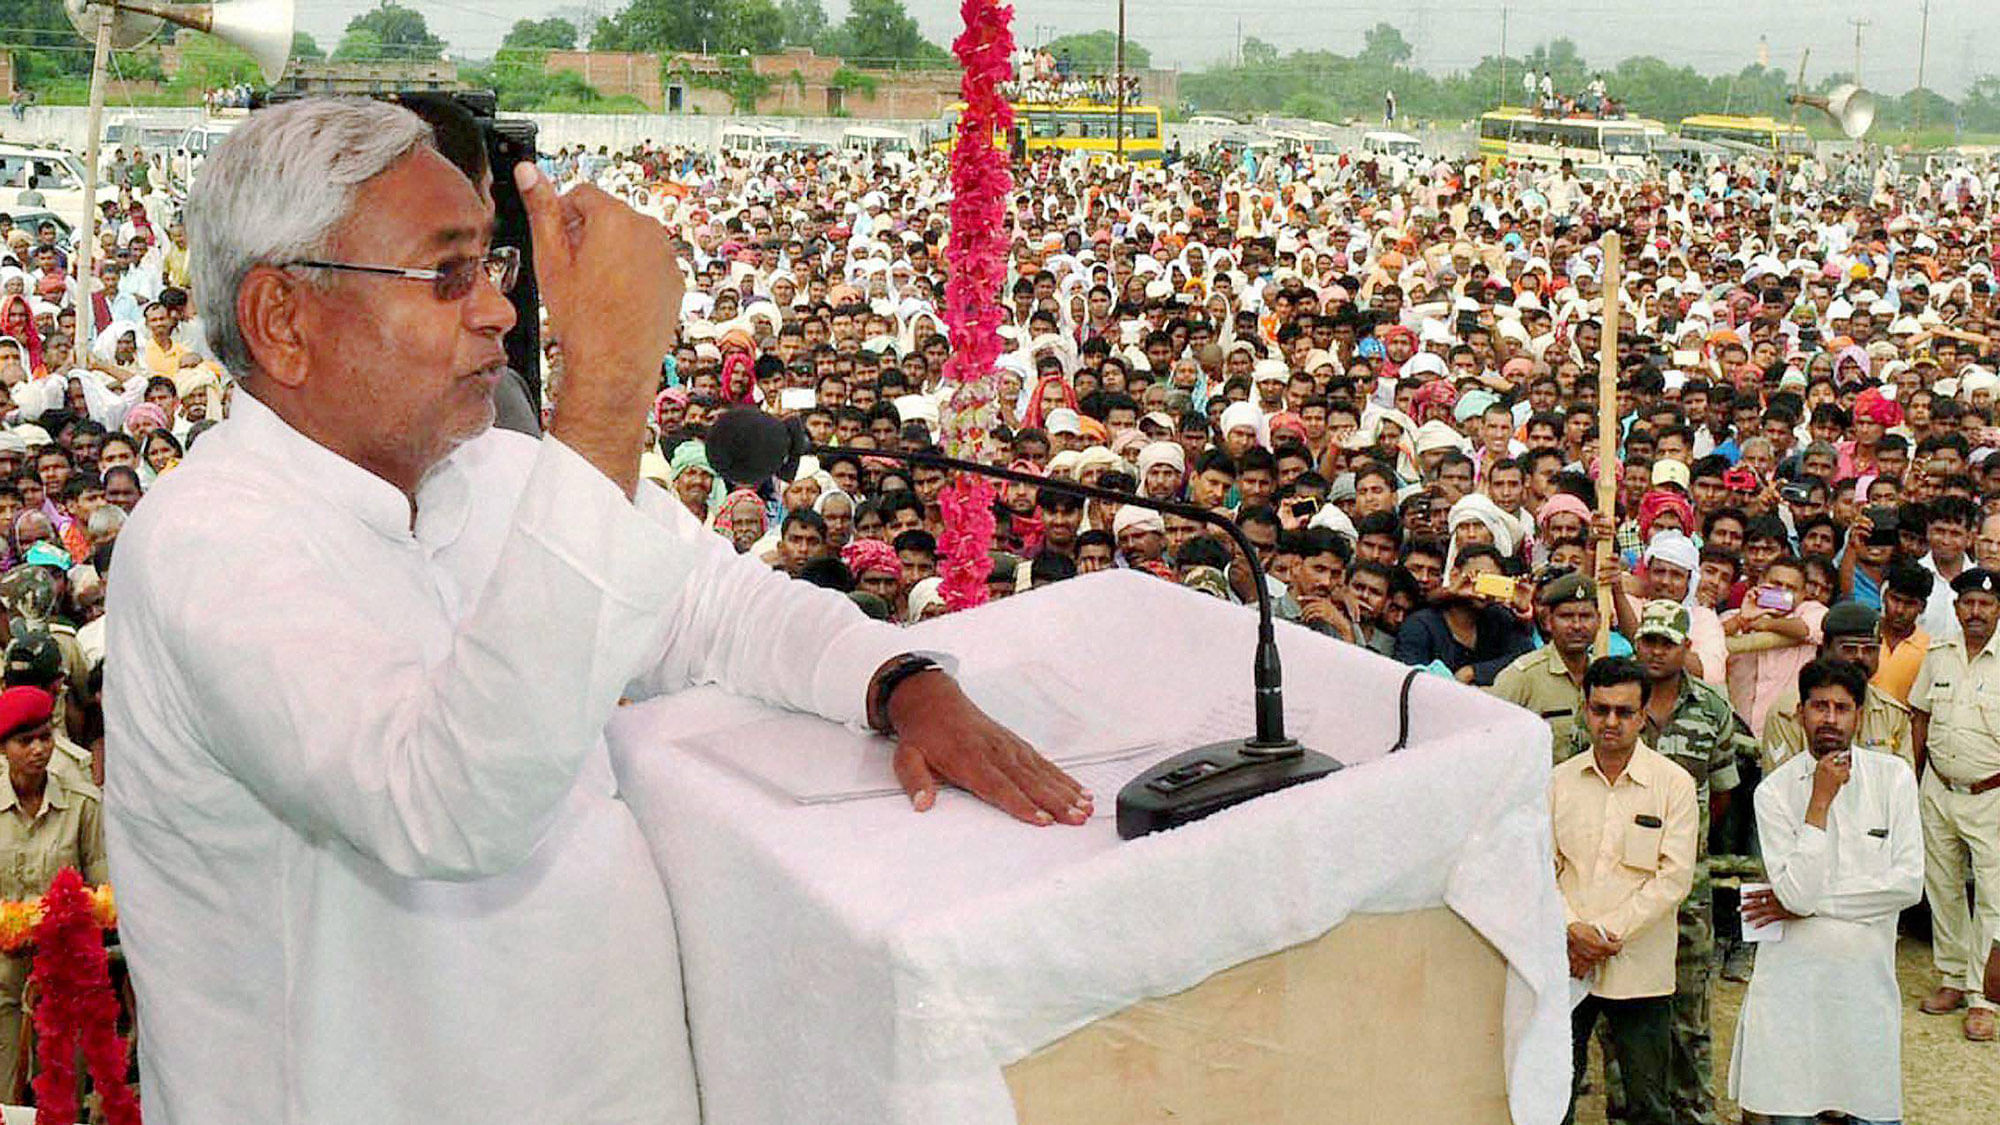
[(1329, 86), (854, 81), (208, 63), (805, 22), (527, 88), (389, 31), (552, 34), (1098, 52), (46, 48), (738, 79), (1258, 54), (716, 26), (881, 35), (1383, 45), (304, 47)]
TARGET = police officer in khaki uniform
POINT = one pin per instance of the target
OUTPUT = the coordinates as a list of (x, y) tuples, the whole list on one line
[(1956, 705), (49, 820), (1851, 632), (1549, 680)]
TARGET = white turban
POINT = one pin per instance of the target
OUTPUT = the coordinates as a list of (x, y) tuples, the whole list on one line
[(1162, 453), (1676, 549), (1242, 414)]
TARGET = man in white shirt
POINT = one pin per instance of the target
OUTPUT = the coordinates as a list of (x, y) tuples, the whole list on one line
[(370, 857), (1821, 1027)]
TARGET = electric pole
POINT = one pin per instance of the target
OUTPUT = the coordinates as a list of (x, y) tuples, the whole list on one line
[(1923, 56), (1503, 57), (1859, 24), (1121, 80)]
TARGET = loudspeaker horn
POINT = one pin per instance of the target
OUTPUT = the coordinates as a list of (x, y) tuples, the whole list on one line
[(1851, 107), (129, 29), (261, 27)]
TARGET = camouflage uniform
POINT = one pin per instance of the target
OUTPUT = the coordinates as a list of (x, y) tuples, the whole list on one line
[(1705, 738)]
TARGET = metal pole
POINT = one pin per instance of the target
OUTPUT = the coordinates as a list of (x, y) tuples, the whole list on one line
[(1121, 80), (1607, 429), (1503, 58), (86, 313), (1858, 25)]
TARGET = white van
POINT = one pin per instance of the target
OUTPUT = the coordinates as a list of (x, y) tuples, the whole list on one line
[(869, 139), (195, 145), (1384, 143), (758, 140), (56, 174)]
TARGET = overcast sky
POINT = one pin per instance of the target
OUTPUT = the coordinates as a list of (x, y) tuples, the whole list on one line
[(1710, 35)]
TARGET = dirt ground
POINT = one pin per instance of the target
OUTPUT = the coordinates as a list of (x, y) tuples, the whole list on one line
[(1946, 1080)]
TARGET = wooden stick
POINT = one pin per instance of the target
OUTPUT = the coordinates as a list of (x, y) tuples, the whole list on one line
[(1607, 432)]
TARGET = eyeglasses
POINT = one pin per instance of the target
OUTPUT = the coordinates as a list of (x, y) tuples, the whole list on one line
[(452, 281)]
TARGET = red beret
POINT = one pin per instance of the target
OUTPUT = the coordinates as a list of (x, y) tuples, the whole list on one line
[(24, 708)]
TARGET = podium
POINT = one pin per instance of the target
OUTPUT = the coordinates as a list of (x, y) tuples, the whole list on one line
[(1383, 944)]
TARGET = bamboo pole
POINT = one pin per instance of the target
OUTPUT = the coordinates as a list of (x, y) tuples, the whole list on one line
[(1607, 431)]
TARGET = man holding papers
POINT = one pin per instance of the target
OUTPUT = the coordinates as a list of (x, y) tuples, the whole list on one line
[(1821, 1027)]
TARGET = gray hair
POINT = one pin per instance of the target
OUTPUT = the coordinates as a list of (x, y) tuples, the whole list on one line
[(106, 521), (276, 191)]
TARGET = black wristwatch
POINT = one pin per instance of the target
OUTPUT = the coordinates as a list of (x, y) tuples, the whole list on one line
[(889, 679)]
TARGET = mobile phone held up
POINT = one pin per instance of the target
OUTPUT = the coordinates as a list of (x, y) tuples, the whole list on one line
[(1774, 598)]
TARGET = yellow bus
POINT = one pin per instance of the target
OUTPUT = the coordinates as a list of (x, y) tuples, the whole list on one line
[(1515, 135), (1086, 127), (1767, 133)]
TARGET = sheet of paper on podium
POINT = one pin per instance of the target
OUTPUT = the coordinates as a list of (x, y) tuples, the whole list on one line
[(1030, 699)]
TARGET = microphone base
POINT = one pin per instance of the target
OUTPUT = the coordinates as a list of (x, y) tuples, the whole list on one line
[(1208, 779)]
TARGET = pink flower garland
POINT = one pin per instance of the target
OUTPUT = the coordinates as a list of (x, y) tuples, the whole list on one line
[(981, 183)]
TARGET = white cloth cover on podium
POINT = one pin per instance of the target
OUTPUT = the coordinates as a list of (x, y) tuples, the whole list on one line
[(854, 962)]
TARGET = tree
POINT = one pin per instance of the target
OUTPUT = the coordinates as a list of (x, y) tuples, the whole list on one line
[(551, 34), (1098, 51), (305, 47), (1257, 53), (714, 26), (45, 45), (805, 22), (207, 63), (881, 33), (390, 31), (1383, 45)]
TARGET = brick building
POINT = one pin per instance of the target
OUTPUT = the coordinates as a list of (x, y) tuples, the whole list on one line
[(796, 81)]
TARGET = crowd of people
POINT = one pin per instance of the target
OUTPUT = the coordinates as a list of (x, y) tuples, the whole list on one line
[(1045, 76), (1538, 89), (1393, 391)]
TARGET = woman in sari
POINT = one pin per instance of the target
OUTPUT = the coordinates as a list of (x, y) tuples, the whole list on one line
[(17, 320), (159, 451)]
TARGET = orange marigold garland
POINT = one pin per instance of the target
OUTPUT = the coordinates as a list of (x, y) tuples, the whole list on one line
[(75, 1007), (977, 254), (19, 919)]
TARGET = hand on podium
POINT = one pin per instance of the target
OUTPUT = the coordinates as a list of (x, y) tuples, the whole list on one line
[(944, 736)]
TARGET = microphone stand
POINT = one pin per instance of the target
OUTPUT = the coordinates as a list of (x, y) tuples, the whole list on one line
[(1210, 778)]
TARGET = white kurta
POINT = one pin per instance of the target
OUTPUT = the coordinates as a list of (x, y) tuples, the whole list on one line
[(1821, 1026), (370, 859)]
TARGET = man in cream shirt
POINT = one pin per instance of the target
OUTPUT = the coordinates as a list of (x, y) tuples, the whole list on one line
[(370, 858), (1625, 823)]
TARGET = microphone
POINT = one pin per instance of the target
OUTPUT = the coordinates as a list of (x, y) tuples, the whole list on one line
[(1181, 789)]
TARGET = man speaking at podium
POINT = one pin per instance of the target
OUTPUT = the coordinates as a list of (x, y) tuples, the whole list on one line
[(368, 849)]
